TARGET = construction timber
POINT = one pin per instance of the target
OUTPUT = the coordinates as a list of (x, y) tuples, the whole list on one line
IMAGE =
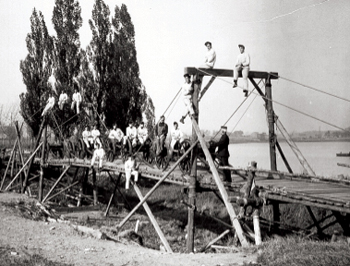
[(274, 187)]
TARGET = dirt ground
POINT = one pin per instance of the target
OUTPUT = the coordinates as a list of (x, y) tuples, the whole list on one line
[(61, 243)]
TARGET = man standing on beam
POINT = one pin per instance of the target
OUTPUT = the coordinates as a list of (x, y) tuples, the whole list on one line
[(187, 91), (242, 64)]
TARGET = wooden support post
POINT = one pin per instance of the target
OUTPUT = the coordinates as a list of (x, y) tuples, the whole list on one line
[(256, 224), (276, 213), (319, 230), (18, 140), (153, 220), (271, 121), (284, 157), (57, 181), (20, 171), (13, 164), (221, 187), (193, 177), (61, 191), (32, 157), (42, 161), (113, 194), (156, 186), (83, 186), (94, 186), (214, 241), (206, 87)]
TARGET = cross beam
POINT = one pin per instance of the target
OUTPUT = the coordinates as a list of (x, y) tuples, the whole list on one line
[(217, 72)]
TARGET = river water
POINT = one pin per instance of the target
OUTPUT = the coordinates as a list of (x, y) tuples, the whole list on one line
[(321, 156)]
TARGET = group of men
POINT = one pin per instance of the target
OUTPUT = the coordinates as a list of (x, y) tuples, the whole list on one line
[(242, 64), (62, 100)]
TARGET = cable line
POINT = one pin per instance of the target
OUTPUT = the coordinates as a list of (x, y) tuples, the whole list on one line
[(243, 114), (274, 101), (309, 87)]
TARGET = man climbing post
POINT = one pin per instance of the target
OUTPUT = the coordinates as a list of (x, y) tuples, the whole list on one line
[(176, 137), (242, 64), (161, 131), (62, 100), (187, 91), (49, 104), (142, 133), (210, 56), (223, 153), (76, 100), (130, 169)]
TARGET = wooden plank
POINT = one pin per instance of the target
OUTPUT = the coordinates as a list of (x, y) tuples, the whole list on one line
[(221, 187), (322, 191), (57, 181), (153, 220), (229, 73), (308, 203), (156, 186)]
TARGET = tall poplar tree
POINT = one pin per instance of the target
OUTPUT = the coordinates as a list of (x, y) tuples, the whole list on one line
[(36, 70), (66, 20)]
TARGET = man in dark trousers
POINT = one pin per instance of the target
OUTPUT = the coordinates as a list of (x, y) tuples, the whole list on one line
[(222, 152), (161, 131)]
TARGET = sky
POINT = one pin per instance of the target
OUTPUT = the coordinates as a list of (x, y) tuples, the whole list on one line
[(306, 41)]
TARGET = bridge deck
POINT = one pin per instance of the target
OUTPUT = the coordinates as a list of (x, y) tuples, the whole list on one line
[(276, 186)]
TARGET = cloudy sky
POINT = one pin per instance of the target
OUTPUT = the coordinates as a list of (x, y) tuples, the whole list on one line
[(306, 41)]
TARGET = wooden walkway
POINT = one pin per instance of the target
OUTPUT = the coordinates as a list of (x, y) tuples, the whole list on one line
[(284, 187)]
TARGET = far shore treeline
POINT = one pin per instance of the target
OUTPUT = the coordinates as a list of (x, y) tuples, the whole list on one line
[(106, 71)]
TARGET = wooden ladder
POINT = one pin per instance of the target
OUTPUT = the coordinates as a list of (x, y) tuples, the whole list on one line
[(221, 186)]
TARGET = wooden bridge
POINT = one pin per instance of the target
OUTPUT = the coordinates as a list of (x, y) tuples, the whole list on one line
[(275, 187)]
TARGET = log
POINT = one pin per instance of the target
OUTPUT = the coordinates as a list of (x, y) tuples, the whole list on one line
[(214, 240)]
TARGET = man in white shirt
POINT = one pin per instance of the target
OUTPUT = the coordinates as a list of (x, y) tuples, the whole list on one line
[(115, 135), (131, 133), (210, 56), (99, 155), (130, 169), (76, 100), (50, 103), (142, 133), (242, 64), (87, 138), (187, 91), (95, 133), (176, 137), (62, 100)]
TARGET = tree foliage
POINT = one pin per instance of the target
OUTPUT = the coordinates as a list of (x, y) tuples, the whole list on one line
[(67, 21), (36, 70), (106, 73)]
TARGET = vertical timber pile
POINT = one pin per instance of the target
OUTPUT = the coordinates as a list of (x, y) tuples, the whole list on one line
[(271, 120), (197, 81), (272, 140), (42, 161)]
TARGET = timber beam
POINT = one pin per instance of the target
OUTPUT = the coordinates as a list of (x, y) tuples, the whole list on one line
[(229, 73)]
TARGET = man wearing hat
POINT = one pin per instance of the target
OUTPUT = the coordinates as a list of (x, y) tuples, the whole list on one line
[(210, 57), (187, 91), (223, 153), (242, 64)]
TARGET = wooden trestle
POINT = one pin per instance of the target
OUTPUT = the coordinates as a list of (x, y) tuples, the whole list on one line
[(275, 187)]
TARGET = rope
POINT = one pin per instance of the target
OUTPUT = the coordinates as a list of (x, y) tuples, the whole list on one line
[(274, 101), (243, 114), (312, 88)]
